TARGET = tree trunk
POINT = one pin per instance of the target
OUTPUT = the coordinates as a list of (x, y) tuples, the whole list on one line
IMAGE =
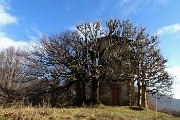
[(78, 100), (53, 100), (95, 91), (139, 94), (144, 100), (95, 78), (132, 92), (83, 91)]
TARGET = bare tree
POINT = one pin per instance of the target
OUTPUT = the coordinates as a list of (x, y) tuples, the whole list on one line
[(11, 74), (59, 61), (118, 52), (147, 64)]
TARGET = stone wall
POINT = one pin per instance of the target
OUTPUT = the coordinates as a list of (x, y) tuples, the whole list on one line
[(106, 92)]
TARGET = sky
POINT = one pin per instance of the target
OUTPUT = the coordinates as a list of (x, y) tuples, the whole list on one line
[(24, 21)]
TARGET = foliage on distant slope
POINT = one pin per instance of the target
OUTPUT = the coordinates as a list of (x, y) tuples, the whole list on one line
[(103, 112), (165, 105)]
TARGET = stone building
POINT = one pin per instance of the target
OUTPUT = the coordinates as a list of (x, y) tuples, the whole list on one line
[(120, 92), (117, 90)]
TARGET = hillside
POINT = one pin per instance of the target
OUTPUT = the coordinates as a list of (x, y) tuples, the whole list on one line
[(100, 113), (170, 105)]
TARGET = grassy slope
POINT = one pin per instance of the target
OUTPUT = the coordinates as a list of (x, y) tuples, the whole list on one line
[(100, 113)]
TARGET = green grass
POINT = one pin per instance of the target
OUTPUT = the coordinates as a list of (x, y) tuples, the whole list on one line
[(98, 113)]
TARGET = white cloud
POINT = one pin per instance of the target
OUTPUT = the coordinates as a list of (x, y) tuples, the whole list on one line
[(6, 42), (169, 29), (5, 17), (175, 71)]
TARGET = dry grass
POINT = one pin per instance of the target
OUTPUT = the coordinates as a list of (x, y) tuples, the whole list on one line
[(98, 113)]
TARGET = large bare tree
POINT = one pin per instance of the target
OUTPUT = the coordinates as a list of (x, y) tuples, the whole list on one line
[(91, 53)]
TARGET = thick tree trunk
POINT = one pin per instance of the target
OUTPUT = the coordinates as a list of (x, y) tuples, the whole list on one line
[(95, 91), (132, 92), (78, 100), (144, 100), (95, 78)]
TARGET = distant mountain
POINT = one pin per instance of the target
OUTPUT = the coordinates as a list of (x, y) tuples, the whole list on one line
[(164, 103)]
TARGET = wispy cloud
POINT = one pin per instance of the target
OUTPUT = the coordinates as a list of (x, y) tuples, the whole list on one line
[(128, 6), (33, 33), (123, 2), (160, 2), (169, 29)]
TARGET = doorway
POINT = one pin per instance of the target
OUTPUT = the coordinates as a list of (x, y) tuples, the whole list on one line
[(115, 96)]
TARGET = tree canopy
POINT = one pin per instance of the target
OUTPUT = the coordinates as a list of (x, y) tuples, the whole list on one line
[(63, 66)]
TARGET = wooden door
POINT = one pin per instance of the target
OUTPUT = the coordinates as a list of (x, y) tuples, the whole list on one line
[(115, 96)]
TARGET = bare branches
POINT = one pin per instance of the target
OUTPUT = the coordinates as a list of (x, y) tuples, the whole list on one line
[(66, 61)]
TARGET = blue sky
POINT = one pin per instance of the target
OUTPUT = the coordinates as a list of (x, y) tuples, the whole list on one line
[(24, 20)]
